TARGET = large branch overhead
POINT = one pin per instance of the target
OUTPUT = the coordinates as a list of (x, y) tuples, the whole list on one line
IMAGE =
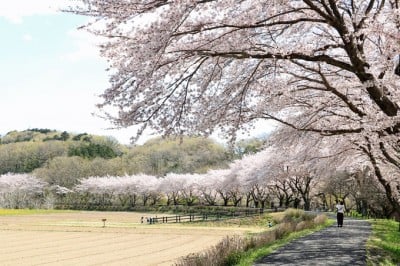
[(289, 56), (389, 107), (353, 43), (322, 131), (376, 92)]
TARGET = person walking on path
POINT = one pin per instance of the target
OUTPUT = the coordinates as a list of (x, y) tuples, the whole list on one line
[(340, 213), (330, 246)]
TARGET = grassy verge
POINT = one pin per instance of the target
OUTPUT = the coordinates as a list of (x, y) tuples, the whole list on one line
[(7, 212), (249, 257), (383, 247), (251, 221)]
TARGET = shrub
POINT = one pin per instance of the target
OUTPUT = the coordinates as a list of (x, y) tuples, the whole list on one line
[(224, 253), (284, 229), (261, 239), (233, 258), (303, 225), (320, 219), (295, 215)]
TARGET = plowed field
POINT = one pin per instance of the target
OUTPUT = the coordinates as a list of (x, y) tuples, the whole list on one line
[(80, 238)]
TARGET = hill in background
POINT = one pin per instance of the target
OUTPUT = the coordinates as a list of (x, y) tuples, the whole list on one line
[(63, 158)]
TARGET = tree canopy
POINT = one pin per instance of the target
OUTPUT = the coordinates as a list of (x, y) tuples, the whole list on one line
[(318, 66), (188, 155)]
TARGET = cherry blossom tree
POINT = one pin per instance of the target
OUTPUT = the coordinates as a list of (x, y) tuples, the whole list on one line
[(224, 191), (106, 191), (368, 195), (207, 188), (172, 185), (338, 171), (318, 66), (301, 183), (340, 185), (250, 176), (127, 190), (183, 188), (21, 191), (282, 191), (229, 185), (190, 192), (147, 188), (99, 190)]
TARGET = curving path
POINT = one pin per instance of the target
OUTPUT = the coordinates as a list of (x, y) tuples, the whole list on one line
[(330, 246)]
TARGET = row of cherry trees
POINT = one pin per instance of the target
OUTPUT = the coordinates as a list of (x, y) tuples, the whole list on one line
[(303, 174), (271, 178), (244, 183)]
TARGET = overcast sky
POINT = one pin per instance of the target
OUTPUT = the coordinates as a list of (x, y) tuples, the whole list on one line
[(51, 73)]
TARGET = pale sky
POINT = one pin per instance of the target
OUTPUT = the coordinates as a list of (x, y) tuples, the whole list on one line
[(51, 73)]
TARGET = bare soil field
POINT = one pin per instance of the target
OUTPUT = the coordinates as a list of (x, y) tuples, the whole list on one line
[(80, 238)]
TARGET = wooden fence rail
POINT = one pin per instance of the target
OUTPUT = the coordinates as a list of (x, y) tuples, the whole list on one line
[(202, 217)]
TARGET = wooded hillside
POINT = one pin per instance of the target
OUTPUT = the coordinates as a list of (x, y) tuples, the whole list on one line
[(62, 157)]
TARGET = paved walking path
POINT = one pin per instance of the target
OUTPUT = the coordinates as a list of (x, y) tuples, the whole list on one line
[(330, 246)]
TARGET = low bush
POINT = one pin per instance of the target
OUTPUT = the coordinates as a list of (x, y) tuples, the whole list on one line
[(259, 239), (320, 219), (296, 216), (225, 252), (303, 225)]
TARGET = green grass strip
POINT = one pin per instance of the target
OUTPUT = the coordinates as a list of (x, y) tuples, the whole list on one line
[(14, 212), (383, 247)]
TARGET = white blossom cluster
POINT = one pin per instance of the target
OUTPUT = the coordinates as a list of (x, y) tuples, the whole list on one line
[(21, 191)]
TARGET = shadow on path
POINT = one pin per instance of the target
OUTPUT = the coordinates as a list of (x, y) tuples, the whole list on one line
[(330, 246)]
